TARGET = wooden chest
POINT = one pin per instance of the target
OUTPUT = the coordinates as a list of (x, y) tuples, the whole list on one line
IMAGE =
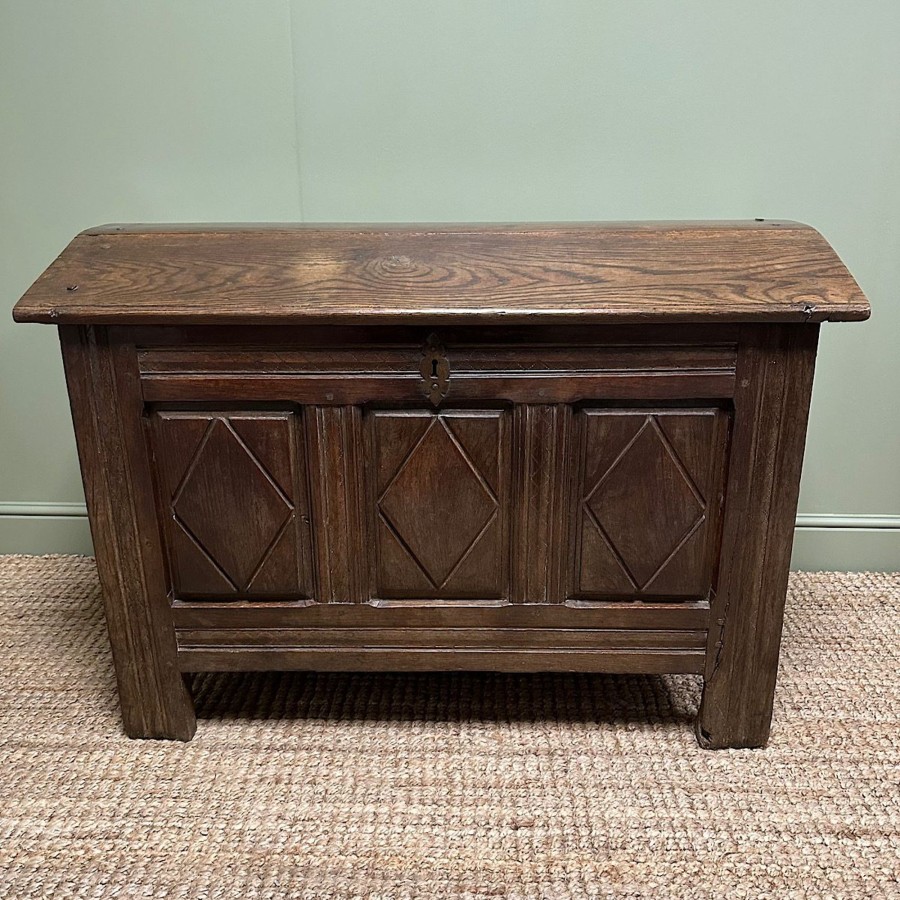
[(523, 448)]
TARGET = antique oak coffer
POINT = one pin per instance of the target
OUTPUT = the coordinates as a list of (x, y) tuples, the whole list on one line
[(518, 448)]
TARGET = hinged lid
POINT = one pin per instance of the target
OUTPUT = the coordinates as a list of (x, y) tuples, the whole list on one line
[(582, 273)]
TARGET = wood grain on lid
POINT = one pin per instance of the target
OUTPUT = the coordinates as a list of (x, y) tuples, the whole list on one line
[(343, 274)]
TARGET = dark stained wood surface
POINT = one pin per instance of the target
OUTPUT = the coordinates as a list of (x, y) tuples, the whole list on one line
[(335, 452), (447, 638), (613, 614), (587, 273), (439, 504), (541, 441), (647, 502), (775, 378), (104, 395), (519, 448), (463, 505), (233, 502), (407, 659)]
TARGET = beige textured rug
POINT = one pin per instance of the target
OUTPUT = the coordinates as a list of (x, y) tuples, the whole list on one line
[(447, 785)]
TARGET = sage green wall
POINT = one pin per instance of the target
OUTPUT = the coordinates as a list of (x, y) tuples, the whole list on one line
[(460, 110)]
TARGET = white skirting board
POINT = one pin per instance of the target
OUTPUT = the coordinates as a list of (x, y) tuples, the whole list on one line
[(834, 543), (44, 528), (821, 542)]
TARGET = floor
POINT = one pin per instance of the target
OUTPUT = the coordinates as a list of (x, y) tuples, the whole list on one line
[(447, 785)]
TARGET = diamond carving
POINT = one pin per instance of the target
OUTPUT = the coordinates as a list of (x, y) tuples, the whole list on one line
[(229, 505), (645, 506), (438, 504)]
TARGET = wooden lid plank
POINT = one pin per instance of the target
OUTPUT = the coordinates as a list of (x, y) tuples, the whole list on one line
[(486, 274)]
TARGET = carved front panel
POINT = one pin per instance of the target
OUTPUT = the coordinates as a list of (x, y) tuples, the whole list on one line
[(232, 492), (438, 494), (648, 502)]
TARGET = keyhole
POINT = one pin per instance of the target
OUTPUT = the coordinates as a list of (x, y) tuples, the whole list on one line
[(434, 371)]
